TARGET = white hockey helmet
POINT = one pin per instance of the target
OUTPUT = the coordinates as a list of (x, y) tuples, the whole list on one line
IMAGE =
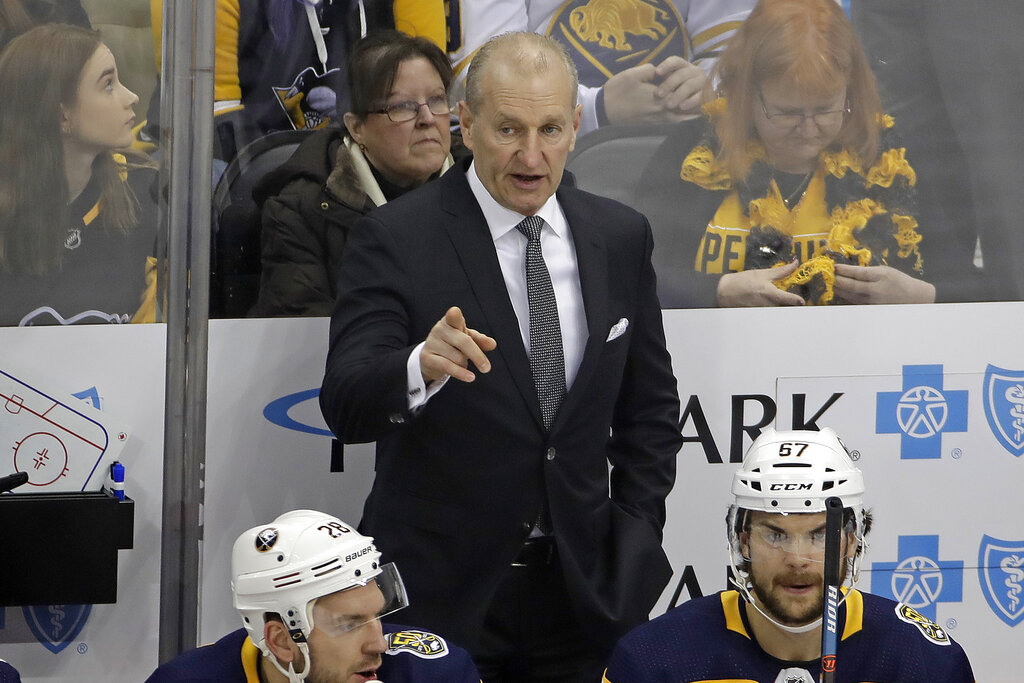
[(796, 471), (283, 567)]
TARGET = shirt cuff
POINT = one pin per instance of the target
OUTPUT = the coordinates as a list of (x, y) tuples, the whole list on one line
[(418, 393)]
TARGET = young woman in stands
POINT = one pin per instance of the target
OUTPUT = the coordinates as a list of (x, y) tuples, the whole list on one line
[(397, 137), (74, 236)]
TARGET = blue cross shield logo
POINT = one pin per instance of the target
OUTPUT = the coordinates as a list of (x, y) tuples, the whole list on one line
[(921, 412), (1001, 573), (919, 578), (55, 626), (1004, 406)]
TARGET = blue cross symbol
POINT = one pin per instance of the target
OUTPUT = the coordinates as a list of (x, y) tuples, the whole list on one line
[(919, 578), (921, 412)]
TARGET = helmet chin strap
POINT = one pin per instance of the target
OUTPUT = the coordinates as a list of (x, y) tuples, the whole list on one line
[(294, 677), (788, 629)]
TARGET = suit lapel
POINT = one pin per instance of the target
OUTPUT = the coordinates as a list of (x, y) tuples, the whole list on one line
[(593, 270), (467, 230)]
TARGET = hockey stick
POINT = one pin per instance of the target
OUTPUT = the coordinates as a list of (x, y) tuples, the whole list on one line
[(830, 607)]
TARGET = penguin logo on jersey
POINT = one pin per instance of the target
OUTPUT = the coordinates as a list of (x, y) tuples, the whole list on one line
[(929, 628), (266, 539), (605, 37), (422, 644), (310, 100)]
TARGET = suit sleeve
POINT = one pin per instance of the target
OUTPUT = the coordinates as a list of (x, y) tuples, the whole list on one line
[(364, 389), (645, 435)]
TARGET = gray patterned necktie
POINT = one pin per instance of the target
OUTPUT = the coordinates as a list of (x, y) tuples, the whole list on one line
[(547, 361)]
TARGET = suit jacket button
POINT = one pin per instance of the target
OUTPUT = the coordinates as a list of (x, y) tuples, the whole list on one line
[(551, 454), (396, 418)]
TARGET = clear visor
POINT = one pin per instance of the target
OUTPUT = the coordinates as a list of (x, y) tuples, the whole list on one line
[(382, 595), (810, 545)]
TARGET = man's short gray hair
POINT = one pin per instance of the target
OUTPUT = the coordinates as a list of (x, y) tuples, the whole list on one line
[(530, 51)]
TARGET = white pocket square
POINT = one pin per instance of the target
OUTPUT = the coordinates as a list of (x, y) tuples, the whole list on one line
[(617, 330)]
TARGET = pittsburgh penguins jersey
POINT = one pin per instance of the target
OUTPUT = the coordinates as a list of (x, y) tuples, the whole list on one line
[(603, 37), (286, 69), (413, 656), (102, 278), (709, 640)]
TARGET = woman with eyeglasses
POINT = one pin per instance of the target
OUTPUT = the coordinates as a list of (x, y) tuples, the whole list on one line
[(396, 138), (792, 189)]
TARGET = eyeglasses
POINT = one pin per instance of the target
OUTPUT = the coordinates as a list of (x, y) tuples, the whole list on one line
[(822, 119), (400, 112), (811, 544)]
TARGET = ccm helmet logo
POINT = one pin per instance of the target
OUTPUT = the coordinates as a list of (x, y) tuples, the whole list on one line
[(349, 558), (789, 487)]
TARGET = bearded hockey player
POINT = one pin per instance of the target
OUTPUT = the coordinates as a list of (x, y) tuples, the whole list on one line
[(768, 628)]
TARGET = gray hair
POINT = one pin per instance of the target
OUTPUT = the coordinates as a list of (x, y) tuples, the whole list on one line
[(529, 50)]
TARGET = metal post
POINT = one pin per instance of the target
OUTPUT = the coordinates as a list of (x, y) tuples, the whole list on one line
[(186, 113)]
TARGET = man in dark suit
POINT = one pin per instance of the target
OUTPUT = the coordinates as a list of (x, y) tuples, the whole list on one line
[(495, 484)]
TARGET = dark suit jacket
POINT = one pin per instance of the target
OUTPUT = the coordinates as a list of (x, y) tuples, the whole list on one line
[(459, 484)]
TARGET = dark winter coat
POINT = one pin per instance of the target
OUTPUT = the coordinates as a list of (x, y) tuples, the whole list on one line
[(309, 204)]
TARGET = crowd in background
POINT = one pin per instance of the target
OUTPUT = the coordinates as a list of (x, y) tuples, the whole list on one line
[(284, 65)]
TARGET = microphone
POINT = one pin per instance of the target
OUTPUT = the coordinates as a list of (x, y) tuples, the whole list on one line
[(12, 481)]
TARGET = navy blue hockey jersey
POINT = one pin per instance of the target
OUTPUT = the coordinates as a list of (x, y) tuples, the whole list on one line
[(709, 640), (413, 656)]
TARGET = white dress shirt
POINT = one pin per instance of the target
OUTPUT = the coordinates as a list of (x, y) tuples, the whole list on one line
[(510, 244)]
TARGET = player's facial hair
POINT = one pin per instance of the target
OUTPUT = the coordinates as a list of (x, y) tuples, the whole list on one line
[(780, 610)]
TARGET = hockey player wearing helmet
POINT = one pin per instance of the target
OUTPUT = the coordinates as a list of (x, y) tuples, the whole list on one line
[(312, 593), (768, 628)]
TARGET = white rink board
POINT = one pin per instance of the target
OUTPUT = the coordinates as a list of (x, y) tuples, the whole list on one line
[(118, 642), (717, 354), (257, 469), (752, 358), (950, 502)]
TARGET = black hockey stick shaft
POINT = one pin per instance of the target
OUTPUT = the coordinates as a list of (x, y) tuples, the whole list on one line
[(830, 607)]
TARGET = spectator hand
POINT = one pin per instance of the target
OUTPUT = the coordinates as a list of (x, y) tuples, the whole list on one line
[(880, 285), (451, 346), (668, 92), (757, 288)]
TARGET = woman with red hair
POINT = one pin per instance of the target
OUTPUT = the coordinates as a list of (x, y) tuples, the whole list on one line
[(792, 190)]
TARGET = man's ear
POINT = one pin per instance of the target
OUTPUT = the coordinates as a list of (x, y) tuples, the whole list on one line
[(744, 539), (466, 124), (577, 115), (852, 546), (280, 643)]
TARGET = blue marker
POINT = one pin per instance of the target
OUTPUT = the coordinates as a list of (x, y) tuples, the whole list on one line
[(117, 480)]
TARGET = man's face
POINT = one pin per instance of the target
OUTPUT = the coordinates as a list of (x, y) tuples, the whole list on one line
[(346, 643), (524, 130), (787, 562)]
